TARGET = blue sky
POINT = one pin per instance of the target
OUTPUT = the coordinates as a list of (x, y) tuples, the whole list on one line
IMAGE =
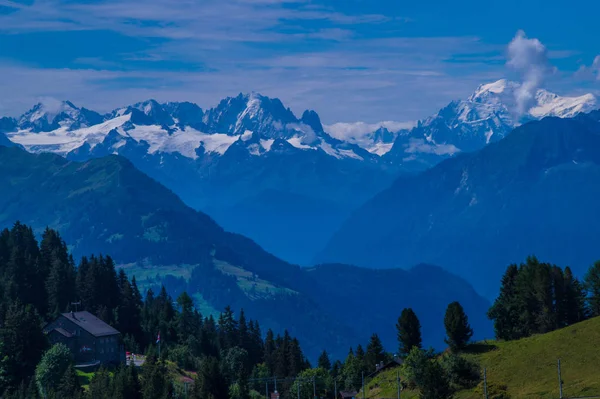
[(350, 60)]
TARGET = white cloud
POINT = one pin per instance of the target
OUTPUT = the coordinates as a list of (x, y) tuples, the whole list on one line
[(591, 72), (529, 57), (420, 146), (357, 130), (244, 46)]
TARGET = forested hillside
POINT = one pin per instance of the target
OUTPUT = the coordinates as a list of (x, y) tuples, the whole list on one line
[(107, 206), (531, 193)]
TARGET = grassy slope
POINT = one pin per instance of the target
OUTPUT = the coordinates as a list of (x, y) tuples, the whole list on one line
[(528, 367)]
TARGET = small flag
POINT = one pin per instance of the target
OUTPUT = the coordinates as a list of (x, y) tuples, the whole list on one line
[(158, 338)]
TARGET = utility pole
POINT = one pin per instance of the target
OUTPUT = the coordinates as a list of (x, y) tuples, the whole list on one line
[(560, 381), (363, 384), (267, 389), (398, 382), (335, 388), (485, 392), (275, 378), (298, 388)]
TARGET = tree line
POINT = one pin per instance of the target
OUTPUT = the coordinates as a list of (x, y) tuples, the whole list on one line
[(40, 280), (229, 355), (537, 297)]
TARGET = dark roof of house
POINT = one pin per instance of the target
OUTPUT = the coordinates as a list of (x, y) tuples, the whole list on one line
[(90, 323), (348, 394), (63, 332)]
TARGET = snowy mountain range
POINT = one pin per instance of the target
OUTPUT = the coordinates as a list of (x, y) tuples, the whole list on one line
[(488, 115), (249, 162), (251, 121), (259, 170)]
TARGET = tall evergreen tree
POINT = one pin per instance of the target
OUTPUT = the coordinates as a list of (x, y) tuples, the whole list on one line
[(210, 382), (295, 358), (458, 330), (506, 310), (228, 329), (575, 299), (60, 285), (155, 380), (375, 353), (409, 331), (187, 324), (269, 352), (592, 285), (23, 341), (324, 361)]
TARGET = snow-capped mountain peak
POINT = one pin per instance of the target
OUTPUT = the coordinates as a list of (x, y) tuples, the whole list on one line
[(247, 123), (487, 115), (52, 114), (550, 104)]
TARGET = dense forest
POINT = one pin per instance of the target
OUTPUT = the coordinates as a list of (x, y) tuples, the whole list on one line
[(230, 356)]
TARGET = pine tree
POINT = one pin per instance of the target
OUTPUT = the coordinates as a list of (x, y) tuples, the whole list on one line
[(409, 331), (435, 383), (458, 330), (228, 329), (23, 341), (69, 386), (186, 321), (360, 357), (126, 384), (375, 353), (558, 293), (575, 299), (295, 358), (506, 310), (592, 285), (210, 383), (324, 361), (155, 382), (269, 352), (100, 385), (60, 285), (352, 372)]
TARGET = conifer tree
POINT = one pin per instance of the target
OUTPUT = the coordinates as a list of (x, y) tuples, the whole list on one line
[(408, 331), (69, 386), (458, 330), (100, 385), (505, 311), (155, 380), (592, 285), (324, 361), (269, 352), (209, 382), (23, 341), (375, 353), (575, 298)]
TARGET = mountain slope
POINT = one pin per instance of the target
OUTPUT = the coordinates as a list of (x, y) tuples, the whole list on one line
[(107, 206), (226, 161), (531, 193)]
